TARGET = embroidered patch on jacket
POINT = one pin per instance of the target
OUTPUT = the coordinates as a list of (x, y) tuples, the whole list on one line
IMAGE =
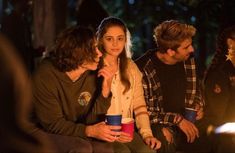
[(84, 98), (232, 80), (217, 89)]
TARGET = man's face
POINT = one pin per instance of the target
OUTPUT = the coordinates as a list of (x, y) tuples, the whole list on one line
[(184, 50), (92, 65)]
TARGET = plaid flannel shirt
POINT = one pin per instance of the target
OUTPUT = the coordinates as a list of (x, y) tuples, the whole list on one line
[(153, 94)]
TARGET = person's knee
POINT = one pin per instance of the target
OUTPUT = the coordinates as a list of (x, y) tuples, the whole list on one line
[(166, 147), (68, 144), (102, 147), (137, 145), (142, 148), (81, 146), (121, 148)]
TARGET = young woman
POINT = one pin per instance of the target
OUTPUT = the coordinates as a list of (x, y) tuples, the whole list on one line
[(220, 88), (220, 80), (128, 99)]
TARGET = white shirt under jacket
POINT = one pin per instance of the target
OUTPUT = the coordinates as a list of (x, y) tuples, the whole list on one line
[(132, 103)]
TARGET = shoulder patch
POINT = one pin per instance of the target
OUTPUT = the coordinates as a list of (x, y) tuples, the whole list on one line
[(84, 98)]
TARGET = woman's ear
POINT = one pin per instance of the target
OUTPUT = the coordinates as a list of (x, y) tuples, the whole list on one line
[(170, 52)]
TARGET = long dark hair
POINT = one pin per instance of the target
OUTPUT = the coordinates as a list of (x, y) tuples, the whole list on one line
[(102, 29), (222, 47)]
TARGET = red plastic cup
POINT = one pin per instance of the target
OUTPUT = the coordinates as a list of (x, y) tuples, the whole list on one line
[(128, 126)]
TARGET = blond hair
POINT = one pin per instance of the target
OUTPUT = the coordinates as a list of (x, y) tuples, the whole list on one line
[(169, 34)]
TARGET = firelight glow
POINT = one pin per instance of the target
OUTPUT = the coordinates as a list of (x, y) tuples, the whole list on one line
[(226, 128)]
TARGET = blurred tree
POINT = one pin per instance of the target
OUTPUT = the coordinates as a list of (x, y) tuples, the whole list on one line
[(205, 12), (16, 26), (90, 13), (227, 14), (49, 19)]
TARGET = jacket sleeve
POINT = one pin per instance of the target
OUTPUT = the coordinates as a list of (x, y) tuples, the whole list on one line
[(199, 98), (139, 105)]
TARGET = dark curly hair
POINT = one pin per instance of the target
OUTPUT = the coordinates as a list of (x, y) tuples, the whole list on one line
[(73, 47), (222, 47)]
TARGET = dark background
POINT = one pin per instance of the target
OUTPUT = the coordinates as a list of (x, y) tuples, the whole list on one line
[(44, 19)]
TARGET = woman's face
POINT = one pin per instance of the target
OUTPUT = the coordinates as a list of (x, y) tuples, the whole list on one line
[(114, 41)]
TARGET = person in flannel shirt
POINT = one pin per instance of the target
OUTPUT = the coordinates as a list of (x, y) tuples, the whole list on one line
[(170, 85)]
